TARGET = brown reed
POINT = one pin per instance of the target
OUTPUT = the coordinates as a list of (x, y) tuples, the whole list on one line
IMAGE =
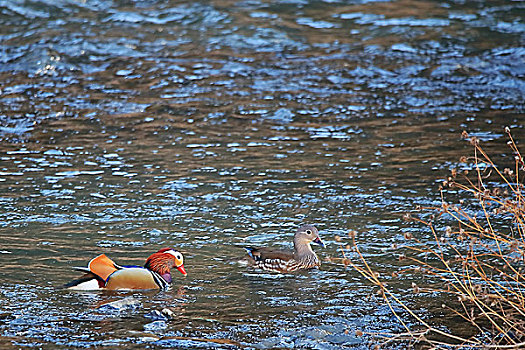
[(478, 259)]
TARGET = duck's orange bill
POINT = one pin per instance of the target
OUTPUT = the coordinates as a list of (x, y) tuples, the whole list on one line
[(181, 269)]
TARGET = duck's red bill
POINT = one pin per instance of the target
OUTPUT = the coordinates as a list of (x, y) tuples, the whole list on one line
[(181, 269)]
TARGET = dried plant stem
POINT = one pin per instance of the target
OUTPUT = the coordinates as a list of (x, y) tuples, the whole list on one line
[(480, 263)]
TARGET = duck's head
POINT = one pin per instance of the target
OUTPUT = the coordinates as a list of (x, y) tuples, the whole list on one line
[(165, 259), (307, 234)]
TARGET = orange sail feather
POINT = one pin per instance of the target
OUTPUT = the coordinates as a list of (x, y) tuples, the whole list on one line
[(102, 266)]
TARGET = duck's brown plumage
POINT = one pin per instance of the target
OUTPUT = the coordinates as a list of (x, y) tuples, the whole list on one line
[(302, 257), (270, 253)]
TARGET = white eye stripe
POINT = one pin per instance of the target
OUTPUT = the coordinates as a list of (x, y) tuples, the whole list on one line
[(174, 253)]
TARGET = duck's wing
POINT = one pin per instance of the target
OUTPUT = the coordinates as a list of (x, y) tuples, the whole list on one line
[(89, 281), (271, 259), (95, 275), (102, 266), (264, 254)]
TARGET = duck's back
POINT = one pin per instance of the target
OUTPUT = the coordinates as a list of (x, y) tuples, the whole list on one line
[(271, 259)]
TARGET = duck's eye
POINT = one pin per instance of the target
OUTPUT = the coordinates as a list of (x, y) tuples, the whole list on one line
[(178, 256), (308, 232)]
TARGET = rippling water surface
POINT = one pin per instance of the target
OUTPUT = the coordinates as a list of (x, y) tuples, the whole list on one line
[(127, 126)]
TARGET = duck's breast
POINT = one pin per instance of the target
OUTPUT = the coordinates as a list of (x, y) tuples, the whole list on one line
[(131, 278)]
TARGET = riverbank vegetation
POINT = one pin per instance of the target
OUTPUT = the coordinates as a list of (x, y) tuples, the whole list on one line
[(473, 263)]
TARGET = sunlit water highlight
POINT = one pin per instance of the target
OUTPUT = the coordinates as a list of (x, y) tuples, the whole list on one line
[(128, 126)]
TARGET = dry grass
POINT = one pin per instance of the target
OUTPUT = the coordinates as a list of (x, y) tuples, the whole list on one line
[(477, 261)]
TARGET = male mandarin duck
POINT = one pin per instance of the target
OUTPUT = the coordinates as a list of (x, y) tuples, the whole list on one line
[(302, 257), (103, 273)]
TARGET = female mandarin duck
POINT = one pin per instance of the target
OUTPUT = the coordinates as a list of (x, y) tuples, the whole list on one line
[(302, 257), (103, 273)]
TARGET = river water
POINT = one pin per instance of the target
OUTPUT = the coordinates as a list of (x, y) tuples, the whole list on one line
[(128, 126)]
